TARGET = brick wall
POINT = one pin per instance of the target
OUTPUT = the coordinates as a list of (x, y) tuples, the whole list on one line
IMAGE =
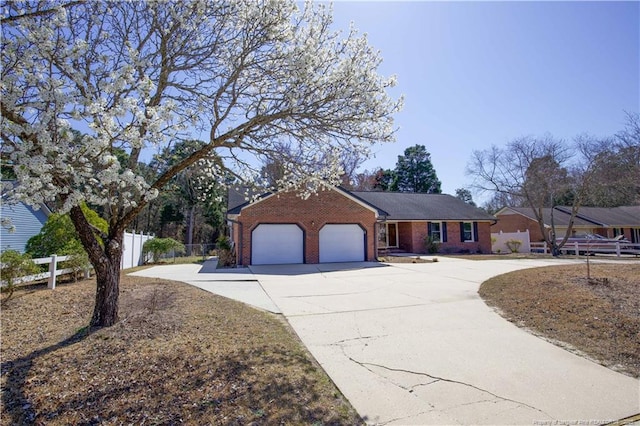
[(455, 245), (325, 207), (413, 234), (517, 222)]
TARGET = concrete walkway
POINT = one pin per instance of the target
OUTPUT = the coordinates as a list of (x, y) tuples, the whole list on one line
[(238, 284), (414, 344)]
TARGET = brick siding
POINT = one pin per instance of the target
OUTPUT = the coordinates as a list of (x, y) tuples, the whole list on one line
[(411, 236), (325, 207), (517, 222)]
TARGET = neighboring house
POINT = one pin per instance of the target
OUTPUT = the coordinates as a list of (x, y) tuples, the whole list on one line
[(606, 221), (25, 223), (337, 225)]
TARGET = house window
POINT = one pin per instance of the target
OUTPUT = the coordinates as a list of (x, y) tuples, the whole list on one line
[(435, 231), (467, 232)]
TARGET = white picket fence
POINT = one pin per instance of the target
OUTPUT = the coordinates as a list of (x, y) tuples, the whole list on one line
[(499, 241)]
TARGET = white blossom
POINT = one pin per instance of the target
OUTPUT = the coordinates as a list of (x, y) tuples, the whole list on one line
[(93, 80)]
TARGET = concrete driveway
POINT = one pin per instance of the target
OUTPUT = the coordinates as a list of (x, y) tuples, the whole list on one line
[(414, 344)]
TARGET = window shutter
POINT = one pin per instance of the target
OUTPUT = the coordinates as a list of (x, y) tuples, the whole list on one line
[(475, 231), (462, 232), (444, 232), (429, 229)]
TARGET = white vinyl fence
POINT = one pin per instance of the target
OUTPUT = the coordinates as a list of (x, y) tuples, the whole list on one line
[(501, 241), (132, 254), (574, 248), (52, 274)]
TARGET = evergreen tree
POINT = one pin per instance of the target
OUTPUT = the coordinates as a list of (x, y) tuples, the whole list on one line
[(415, 173), (465, 195)]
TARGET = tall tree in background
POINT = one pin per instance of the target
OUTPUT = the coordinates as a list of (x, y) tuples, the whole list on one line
[(386, 180), (616, 180), (465, 195), (363, 181), (538, 172), (248, 75), (415, 173), (499, 200), (195, 191)]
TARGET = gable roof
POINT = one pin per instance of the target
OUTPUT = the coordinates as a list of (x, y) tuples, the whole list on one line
[(391, 205), (237, 200), (560, 218), (609, 216), (420, 206), (587, 216)]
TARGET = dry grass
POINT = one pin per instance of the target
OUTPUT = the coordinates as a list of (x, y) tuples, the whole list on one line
[(178, 355), (599, 318)]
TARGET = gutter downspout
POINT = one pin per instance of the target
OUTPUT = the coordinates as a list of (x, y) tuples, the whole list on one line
[(375, 240), (239, 243)]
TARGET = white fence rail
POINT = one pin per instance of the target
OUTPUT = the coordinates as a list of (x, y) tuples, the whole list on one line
[(616, 248), (53, 272), (499, 242), (131, 256)]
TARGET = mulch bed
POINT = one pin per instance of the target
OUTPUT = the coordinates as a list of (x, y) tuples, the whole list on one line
[(177, 355), (597, 317)]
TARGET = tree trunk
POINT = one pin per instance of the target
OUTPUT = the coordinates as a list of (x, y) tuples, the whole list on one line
[(106, 260), (190, 230), (107, 267), (105, 311)]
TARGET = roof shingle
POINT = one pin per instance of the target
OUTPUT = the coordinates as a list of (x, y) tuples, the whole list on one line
[(420, 206)]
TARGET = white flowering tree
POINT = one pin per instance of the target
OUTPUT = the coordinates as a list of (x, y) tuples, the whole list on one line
[(245, 76)]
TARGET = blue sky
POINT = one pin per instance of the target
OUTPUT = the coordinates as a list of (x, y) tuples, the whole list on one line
[(481, 73)]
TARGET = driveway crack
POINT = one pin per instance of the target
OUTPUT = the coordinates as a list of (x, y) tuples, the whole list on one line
[(407, 417), (436, 379), (354, 339)]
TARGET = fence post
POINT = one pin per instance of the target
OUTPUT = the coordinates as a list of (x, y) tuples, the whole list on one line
[(544, 247), (618, 248), (53, 266), (577, 250), (133, 248)]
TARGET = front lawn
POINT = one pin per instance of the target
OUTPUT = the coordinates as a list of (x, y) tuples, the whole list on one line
[(599, 318), (178, 355)]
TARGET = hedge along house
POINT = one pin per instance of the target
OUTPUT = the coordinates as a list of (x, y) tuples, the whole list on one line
[(337, 225)]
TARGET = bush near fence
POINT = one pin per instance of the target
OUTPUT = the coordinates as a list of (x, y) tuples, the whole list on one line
[(501, 241)]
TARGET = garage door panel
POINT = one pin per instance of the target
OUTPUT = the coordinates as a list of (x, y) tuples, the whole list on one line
[(273, 244), (342, 243)]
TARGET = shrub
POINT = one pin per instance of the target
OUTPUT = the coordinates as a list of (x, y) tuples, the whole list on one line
[(430, 245), (15, 265), (78, 262), (513, 245), (58, 235), (225, 254), (159, 246)]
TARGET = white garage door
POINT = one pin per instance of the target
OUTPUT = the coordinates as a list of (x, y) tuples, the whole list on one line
[(273, 244), (341, 243)]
